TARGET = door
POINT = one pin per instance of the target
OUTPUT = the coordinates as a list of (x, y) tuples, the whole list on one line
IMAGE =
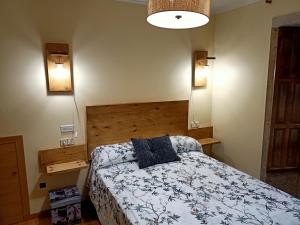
[(284, 149), (14, 204)]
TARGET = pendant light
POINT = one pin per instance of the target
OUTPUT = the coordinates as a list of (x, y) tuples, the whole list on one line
[(178, 14)]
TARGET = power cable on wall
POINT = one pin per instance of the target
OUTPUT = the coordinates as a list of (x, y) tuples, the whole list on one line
[(77, 115), (192, 107)]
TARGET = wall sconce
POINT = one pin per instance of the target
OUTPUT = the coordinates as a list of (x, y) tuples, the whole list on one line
[(59, 74), (200, 69)]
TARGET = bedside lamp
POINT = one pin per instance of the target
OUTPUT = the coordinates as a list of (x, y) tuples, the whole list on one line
[(59, 74), (200, 69)]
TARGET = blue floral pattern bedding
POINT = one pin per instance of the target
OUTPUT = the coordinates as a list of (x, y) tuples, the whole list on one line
[(195, 190)]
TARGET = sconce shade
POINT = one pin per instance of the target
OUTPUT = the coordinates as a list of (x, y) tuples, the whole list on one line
[(199, 78), (59, 74), (178, 14)]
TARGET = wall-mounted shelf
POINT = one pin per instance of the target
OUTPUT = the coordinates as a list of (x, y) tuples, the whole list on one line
[(201, 133), (63, 160), (66, 167), (208, 141), (204, 136)]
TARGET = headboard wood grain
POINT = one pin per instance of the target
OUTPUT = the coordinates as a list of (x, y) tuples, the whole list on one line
[(109, 124)]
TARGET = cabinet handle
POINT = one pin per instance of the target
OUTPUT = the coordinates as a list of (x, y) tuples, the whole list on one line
[(14, 173)]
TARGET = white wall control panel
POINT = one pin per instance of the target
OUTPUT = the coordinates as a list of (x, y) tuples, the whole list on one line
[(67, 128)]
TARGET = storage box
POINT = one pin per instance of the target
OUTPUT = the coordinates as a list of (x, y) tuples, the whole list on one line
[(65, 206)]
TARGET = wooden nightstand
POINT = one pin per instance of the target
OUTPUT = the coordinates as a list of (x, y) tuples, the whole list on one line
[(207, 144), (205, 137), (208, 141), (63, 160)]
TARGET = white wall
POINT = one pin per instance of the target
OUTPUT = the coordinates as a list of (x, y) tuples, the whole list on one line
[(242, 42), (117, 58)]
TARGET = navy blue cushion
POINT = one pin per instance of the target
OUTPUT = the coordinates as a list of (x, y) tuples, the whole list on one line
[(154, 151)]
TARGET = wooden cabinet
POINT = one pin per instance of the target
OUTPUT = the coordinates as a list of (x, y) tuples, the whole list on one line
[(284, 148), (14, 203)]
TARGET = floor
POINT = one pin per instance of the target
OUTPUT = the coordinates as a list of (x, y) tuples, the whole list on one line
[(89, 217), (47, 221), (285, 181)]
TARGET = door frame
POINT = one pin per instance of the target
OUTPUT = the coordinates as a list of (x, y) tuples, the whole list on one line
[(285, 20), (18, 141), (269, 103)]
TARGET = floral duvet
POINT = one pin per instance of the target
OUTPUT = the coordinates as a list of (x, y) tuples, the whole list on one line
[(195, 190)]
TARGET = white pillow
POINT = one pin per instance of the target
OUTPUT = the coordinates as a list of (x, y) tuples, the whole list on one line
[(185, 144), (107, 155)]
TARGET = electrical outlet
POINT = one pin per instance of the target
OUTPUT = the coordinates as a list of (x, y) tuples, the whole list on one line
[(195, 124), (66, 142), (71, 141), (43, 185)]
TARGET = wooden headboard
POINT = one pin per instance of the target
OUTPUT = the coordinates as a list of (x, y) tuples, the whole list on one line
[(109, 124)]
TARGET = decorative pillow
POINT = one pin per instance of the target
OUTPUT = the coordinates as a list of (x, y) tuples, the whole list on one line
[(107, 155), (185, 144), (154, 151)]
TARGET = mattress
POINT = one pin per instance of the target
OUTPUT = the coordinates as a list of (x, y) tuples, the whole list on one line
[(196, 190)]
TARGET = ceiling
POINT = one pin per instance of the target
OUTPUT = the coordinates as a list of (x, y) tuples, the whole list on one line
[(218, 6), (291, 20)]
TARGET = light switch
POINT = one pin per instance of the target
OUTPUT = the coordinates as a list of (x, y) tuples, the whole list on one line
[(67, 128)]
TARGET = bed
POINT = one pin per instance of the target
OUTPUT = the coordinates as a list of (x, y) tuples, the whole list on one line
[(195, 190)]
